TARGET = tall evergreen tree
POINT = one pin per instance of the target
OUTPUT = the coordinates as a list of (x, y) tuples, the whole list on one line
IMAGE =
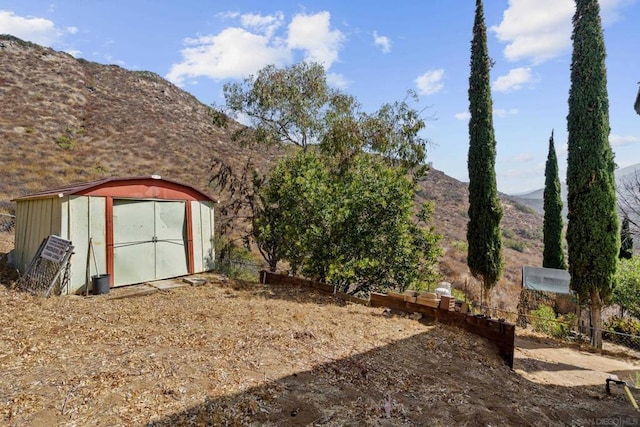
[(626, 240), (484, 240), (593, 233), (553, 253)]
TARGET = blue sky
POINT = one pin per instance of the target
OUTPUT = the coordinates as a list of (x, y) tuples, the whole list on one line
[(375, 51)]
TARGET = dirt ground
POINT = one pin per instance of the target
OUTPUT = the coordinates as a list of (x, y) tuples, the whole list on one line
[(230, 353)]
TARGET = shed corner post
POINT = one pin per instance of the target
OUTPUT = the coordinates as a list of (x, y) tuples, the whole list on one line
[(109, 237)]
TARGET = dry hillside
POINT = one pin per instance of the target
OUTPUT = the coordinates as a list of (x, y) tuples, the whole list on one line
[(64, 120)]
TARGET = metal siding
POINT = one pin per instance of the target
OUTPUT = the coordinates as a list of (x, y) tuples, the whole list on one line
[(86, 219), (171, 251), (98, 233), (196, 226), (207, 235), (35, 220), (78, 222), (149, 240), (133, 246)]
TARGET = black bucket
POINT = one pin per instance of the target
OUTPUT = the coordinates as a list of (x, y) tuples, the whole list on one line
[(100, 284)]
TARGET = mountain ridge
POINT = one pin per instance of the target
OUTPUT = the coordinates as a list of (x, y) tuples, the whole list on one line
[(535, 198)]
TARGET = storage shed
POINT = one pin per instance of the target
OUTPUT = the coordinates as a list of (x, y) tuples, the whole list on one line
[(135, 229)]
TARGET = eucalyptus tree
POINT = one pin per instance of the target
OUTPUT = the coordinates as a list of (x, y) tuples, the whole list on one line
[(340, 209)]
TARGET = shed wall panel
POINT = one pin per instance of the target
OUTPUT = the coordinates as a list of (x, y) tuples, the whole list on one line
[(171, 250), (133, 241), (86, 221), (35, 220), (203, 239)]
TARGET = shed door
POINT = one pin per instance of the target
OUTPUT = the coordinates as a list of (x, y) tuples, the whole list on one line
[(149, 240)]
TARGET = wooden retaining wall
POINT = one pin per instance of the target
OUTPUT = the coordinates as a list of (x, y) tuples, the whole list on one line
[(497, 331)]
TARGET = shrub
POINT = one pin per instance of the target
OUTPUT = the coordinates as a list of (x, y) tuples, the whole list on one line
[(235, 261), (65, 142), (524, 208), (622, 330), (508, 233), (515, 245), (544, 320), (460, 245)]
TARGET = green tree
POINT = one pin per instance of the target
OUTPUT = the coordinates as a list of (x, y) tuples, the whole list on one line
[(626, 240), (293, 197), (341, 209), (484, 256), (553, 252), (372, 243), (593, 232), (282, 105), (627, 291), (350, 227), (295, 105)]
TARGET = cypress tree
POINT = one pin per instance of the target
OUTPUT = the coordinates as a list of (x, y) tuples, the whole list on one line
[(593, 233), (553, 253), (626, 240), (484, 256)]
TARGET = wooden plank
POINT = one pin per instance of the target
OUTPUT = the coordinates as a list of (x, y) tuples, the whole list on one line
[(352, 299)]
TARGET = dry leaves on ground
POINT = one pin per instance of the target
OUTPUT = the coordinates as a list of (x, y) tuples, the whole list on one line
[(231, 353)]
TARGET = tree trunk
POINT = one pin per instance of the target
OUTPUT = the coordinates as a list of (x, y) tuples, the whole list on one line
[(485, 297), (273, 266), (596, 320)]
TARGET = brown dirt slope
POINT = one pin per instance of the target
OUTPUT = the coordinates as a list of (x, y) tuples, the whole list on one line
[(229, 353), (66, 120)]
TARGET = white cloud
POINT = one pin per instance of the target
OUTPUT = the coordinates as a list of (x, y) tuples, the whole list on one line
[(513, 175), (620, 140), (513, 80), (266, 25), (540, 30), (562, 149), (337, 80), (502, 113), (74, 52), (37, 30), (313, 35), (383, 41), (537, 30), (430, 82), (523, 157), (258, 41), (463, 116), (233, 53)]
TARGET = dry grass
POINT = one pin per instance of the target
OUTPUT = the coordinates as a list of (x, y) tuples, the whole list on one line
[(232, 353)]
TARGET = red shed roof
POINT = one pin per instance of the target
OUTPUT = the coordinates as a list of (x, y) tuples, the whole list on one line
[(149, 187)]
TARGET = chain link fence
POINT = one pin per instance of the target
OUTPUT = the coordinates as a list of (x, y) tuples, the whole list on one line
[(7, 222), (570, 328), (238, 268)]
